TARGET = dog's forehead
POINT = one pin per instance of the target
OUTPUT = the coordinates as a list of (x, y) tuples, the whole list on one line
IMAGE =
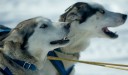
[(86, 6), (86, 10), (42, 19), (77, 5), (96, 5)]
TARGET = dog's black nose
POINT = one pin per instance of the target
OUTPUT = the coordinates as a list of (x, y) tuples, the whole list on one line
[(67, 26), (124, 16)]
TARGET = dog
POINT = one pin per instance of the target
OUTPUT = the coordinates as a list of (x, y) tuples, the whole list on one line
[(87, 21), (26, 46)]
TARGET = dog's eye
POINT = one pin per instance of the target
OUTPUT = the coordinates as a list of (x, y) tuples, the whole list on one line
[(79, 8), (44, 26), (101, 11)]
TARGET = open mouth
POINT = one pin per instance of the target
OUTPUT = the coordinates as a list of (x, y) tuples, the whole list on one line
[(63, 41), (109, 33)]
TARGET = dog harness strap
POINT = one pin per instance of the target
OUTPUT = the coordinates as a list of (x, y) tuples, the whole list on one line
[(3, 31), (6, 71), (25, 65), (70, 69), (59, 65)]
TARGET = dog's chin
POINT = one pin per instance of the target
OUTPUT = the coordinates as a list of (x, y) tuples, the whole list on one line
[(62, 42), (109, 33)]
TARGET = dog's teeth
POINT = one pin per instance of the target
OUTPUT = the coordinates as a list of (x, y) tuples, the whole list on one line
[(64, 38)]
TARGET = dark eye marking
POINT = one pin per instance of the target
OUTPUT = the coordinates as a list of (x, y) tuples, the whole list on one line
[(44, 26), (101, 11), (78, 7)]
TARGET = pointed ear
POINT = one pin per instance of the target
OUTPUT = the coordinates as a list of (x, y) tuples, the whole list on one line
[(70, 14), (20, 34), (63, 16)]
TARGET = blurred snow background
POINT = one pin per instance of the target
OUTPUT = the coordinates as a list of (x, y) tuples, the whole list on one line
[(115, 51)]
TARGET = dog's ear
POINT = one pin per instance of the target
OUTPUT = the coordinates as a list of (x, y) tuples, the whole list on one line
[(63, 17), (71, 13), (20, 34)]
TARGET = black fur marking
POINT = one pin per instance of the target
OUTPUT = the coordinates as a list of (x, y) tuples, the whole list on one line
[(44, 26), (27, 34), (83, 9), (87, 13)]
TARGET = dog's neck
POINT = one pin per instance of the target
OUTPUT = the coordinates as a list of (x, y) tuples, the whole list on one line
[(79, 38), (77, 43), (32, 55), (38, 53)]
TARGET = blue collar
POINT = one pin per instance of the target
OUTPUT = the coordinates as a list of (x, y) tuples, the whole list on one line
[(21, 63), (6, 70), (25, 65), (59, 65)]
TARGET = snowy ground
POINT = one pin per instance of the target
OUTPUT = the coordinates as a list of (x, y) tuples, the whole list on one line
[(115, 51)]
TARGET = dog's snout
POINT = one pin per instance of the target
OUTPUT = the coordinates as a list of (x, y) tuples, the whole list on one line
[(124, 16), (67, 26)]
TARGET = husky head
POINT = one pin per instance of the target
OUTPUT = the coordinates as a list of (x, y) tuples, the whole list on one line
[(37, 35), (93, 19)]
